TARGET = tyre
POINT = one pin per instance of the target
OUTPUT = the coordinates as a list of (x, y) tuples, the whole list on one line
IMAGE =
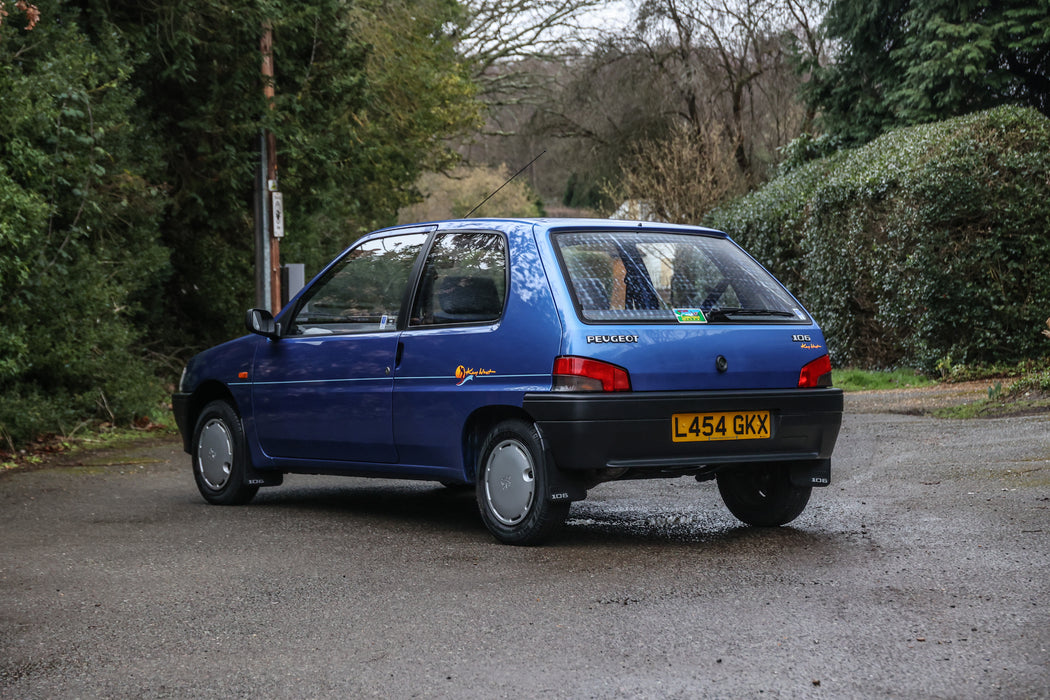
[(512, 486), (762, 496), (220, 456)]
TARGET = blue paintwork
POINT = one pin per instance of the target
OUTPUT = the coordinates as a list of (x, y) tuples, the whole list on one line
[(221, 365), (328, 398), (674, 357), (500, 363), (395, 402)]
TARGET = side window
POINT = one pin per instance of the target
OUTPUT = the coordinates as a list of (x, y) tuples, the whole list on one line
[(363, 292), (464, 280)]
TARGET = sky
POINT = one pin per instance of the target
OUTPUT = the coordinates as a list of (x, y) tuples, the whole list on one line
[(611, 15)]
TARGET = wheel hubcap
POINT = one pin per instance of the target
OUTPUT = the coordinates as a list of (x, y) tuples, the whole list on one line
[(215, 454), (510, 483)]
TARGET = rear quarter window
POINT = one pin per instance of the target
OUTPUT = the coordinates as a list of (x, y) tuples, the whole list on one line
[(464, 280)]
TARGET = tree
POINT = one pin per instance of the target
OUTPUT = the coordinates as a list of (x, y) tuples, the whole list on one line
[(367, 94), (680, 178), (520, 51), (465, 188), (728, 61), (78, 219), (902, 62), (968, 56), (31, 12), (129, 134), (589, 123), (499, 36), (721, 70)]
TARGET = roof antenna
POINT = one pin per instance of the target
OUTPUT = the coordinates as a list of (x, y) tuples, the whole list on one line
[(505, 184)]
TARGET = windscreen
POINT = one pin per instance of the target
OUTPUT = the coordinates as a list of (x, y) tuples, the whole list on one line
[(631, 276)]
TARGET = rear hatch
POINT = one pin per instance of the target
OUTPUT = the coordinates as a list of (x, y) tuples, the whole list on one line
[(682, 311)]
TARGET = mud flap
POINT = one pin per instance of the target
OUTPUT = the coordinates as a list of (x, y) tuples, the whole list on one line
[(815, 472), (261, 477), (562, 486)]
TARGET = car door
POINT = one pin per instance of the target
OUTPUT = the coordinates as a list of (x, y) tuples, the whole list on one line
[(453, 358), (323, 390)]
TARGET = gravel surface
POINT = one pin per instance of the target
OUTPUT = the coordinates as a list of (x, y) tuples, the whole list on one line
[(917, 401)]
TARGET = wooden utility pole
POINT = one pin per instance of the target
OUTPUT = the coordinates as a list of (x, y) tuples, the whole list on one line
[(271, 233)]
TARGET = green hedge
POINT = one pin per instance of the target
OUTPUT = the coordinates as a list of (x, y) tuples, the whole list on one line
[(931, 242), (79, 247)]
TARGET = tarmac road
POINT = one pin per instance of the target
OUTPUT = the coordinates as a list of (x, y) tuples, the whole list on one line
[(923, 571)]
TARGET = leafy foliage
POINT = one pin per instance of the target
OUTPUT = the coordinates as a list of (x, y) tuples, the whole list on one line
[(771, 221), (913, 61), (129, 139), (929, 242), (78, 217), (365, 93)]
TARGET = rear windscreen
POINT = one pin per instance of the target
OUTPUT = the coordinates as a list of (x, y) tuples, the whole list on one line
[(618, 276)]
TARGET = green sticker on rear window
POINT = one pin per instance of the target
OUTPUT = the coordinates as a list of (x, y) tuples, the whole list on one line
[(690, 315)]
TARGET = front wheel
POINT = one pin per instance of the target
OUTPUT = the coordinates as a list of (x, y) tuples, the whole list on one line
[(762, 496), (512, 486), (220, 456)]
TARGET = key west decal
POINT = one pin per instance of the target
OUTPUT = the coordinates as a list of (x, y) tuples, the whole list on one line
[(465, 374), (690, 315)]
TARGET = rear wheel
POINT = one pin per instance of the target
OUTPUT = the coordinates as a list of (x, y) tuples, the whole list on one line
[(512, 486), (762, 496), (220, 456)]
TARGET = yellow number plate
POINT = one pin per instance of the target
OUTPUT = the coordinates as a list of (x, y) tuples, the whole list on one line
[(701, 427)]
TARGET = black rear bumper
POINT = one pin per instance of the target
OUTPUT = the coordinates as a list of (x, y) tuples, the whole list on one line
[(634, 430)]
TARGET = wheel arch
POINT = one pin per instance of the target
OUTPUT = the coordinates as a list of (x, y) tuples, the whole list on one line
[(208, 391), (477, 426)]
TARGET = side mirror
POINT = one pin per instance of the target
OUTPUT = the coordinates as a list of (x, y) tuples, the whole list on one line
[(260, 321)]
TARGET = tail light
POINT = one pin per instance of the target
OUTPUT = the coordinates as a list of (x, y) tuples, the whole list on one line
[(816, 373), (584, 374)]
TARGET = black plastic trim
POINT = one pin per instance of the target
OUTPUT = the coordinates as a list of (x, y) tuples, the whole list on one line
[(633, 430), (180, 406)]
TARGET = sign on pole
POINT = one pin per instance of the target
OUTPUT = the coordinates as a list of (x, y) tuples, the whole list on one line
[(278, 215)]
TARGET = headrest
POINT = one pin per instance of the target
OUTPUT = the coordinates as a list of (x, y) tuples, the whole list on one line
[(469, 297)]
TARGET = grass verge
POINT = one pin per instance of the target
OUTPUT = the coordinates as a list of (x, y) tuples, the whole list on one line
[(1027, 395), (868, 380), (101, 436)]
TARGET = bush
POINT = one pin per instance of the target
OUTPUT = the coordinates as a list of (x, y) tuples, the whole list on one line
[(771, 221), (78, 233), (128, 154), (456, 194), (929, 242)]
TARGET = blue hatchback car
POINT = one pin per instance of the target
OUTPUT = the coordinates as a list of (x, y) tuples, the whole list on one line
[(532, 359)]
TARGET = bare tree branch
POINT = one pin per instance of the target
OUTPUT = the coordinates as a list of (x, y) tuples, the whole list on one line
[(501, 34)]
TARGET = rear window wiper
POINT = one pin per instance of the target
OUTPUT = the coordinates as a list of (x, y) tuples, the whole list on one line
[(726, 313)]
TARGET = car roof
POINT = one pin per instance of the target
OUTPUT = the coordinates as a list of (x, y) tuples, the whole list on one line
[(551, 224)]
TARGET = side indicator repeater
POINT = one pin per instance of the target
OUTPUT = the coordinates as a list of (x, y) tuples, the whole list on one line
[(242, 375)]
